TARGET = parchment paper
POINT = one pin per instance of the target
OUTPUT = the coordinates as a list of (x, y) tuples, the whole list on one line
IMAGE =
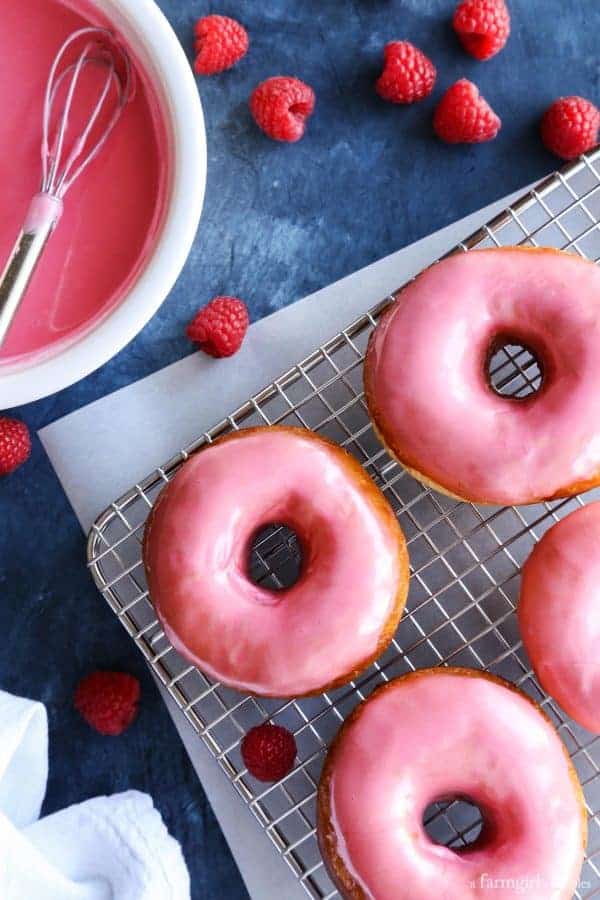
[(101, 450)]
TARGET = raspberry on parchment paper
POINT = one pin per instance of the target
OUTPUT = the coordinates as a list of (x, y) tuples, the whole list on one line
[(220, 327), (269, 752)]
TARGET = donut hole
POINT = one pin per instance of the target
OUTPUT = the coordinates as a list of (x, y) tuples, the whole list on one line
[(275, 557), (454, 822), (513, 369)]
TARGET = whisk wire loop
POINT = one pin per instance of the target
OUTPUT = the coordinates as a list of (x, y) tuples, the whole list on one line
[(58, 175), (63, 164)]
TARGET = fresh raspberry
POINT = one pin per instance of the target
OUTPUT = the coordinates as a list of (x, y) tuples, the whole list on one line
[(220, 327), (15, 445), (220, 43), (269, 752), (483, 26), (408, 75), (281, 106), (108, 701), (570, 127), (464, 117)]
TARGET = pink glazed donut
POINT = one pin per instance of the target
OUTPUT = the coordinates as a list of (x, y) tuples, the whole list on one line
[(427, 383), (439, 734), (559, 614), (323, 630)]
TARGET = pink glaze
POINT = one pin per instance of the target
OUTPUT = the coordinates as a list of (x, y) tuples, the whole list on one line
[(432, 736), (427, 386), (559, 614), (275, 643), (112, 215)]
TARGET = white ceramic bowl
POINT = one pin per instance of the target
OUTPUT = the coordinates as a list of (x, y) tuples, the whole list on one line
[(148, 32)]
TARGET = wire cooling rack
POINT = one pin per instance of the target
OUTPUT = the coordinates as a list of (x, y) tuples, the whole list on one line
[(465, 563)]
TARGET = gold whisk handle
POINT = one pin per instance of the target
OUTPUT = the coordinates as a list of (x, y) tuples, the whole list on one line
[(44, 213)]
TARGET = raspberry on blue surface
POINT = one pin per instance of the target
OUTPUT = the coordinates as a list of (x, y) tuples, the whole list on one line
[(281, 106), (220, 43), (108, 701), (464, 117), (570, 127), (483, 26), (15, 445), (408, 75)]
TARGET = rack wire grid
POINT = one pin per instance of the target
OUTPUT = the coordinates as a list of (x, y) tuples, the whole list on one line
[(465, 563)]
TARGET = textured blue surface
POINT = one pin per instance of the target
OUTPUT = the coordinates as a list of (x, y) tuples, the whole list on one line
[(279, 222)]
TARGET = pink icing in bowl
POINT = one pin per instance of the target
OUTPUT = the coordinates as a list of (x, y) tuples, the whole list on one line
[(129, 222)]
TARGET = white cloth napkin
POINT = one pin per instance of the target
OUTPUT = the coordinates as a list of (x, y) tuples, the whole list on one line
[(109, 848)]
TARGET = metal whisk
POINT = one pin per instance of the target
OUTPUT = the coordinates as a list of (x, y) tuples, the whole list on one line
[(64, 158)]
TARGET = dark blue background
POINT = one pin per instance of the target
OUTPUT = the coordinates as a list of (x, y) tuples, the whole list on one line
[(279, 221)]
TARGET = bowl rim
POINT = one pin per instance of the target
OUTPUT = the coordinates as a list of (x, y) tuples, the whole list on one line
[(115, 330)]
